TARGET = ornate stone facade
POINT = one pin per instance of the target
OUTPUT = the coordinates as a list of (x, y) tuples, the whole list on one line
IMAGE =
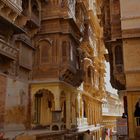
[(121, 31), (112, 109), (52, 68)]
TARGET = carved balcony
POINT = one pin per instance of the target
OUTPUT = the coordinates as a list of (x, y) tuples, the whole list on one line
[(34, 19), (73, 78), (85, 3), (8, 50), (15, 5)]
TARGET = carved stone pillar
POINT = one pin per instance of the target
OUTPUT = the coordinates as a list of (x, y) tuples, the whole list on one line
[(68, 111), (82, 109), (79, 107), (57, 92)]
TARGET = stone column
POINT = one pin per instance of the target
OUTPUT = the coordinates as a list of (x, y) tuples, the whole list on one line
[(68, 111), (82, 109), (73, 108), (79, 107), (130, 114), (57, 93)]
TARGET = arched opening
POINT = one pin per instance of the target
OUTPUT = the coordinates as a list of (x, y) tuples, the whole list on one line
[(25, 7), (43, 106), (90, 75), (85, 109), (37, 107)]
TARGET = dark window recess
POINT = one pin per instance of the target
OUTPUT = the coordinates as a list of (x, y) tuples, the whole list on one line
[(49, 104), (25, 7), (89, 72), (35, 8), (37, 108), (118, 55), (85, 115)]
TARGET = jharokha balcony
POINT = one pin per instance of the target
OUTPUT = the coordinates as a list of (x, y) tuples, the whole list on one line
[(7, 50), (16, 5)]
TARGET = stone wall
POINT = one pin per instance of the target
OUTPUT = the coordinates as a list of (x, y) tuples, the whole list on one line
[(3, 83), (16, 104)]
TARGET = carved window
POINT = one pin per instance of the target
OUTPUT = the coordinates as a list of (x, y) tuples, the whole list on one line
[(85, 109), (89, 72), (118, 55), (89, 75), (25, 7), (25, 58), (65, 50), (45, 52), (35, 8)]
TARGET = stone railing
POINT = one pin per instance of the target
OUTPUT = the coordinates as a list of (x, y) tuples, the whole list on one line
[(7, 50)]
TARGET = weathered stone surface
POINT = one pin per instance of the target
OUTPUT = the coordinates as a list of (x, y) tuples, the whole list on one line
[(3, 84), (26, 137)]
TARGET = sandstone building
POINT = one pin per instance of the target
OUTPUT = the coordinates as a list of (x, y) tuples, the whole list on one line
[(121, 21), (51, 69), (112, 109)]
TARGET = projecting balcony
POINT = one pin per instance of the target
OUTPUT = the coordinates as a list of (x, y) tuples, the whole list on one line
[(7, 50), (16, 5), (34, 19)]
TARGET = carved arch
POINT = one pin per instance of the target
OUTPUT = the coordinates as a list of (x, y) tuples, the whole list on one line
[(43, 105), (50, 41)]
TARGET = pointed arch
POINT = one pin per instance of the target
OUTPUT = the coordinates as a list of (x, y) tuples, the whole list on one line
[(43, 105)]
